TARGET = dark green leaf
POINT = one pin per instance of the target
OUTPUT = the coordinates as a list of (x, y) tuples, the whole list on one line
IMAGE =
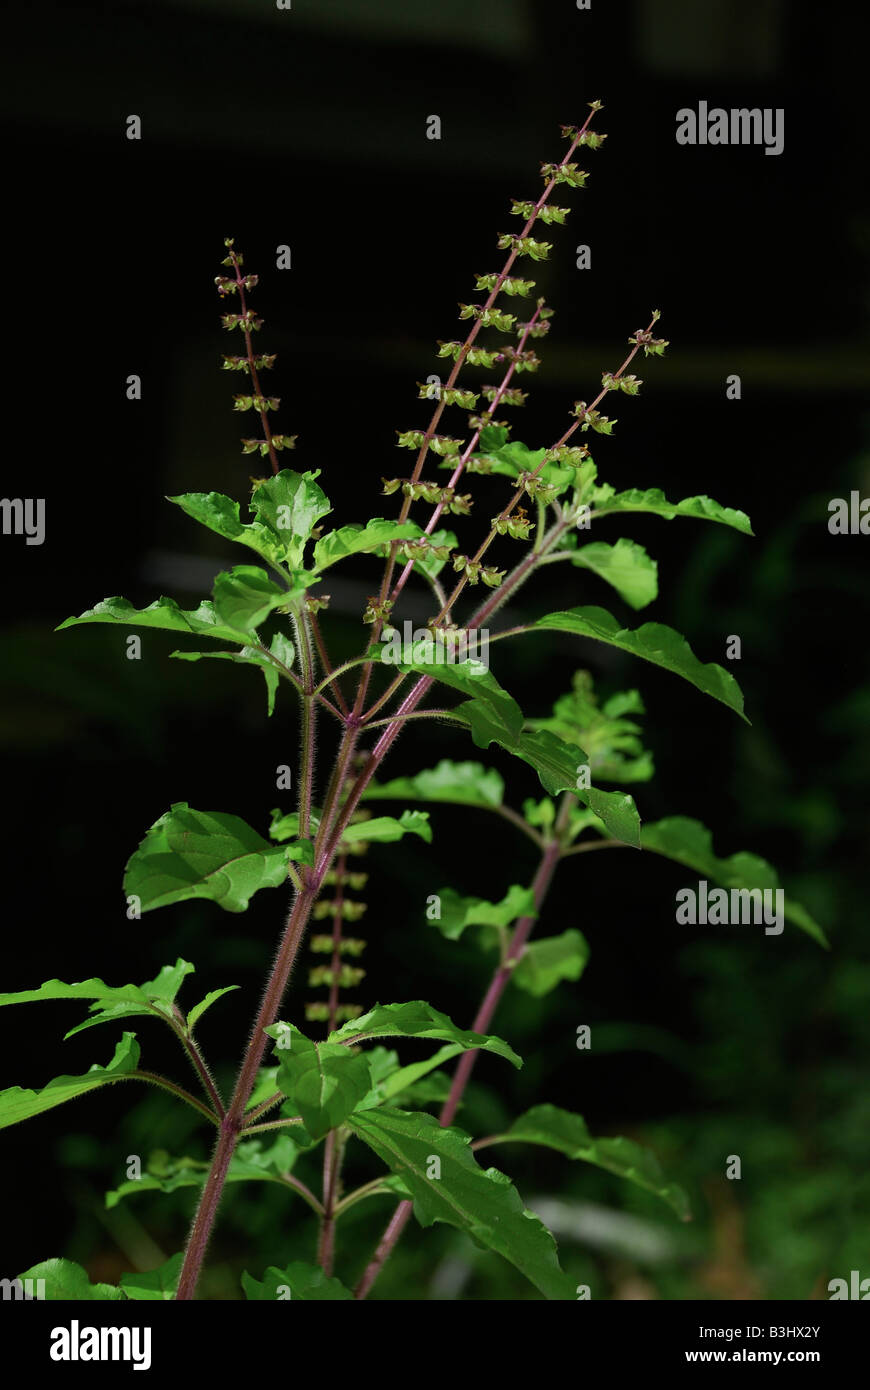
[(154, 1285), (253, 1161), (484, 1204), (199, 1009), (417, 1020), (458, 912), (545, 963), (302, 1282), (323, 1082), (689, 842), (652, 642), (567, 1133)]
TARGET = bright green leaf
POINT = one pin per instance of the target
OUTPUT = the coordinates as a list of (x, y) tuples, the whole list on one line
[(625, 565), (203, 854), (17, 1104), (467, 784), (458, 912), (162, 613), (350, 540), (66, 1281), (291, 504), (653, 500), (386, 829), (199, 1009), (323, 1082)]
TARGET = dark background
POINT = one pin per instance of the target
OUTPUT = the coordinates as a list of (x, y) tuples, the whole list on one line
[(308, 127)]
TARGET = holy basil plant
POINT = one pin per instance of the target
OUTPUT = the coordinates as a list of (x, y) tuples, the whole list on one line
[(343, 1078)]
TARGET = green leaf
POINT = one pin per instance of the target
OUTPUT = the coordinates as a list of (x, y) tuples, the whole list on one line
[(254, 656), (323, 1081), (290, 505), (458, 912), (245, 595), (545, 963), (253, 1161), (17, 1104), (512, 458), (203, 854), (65, 1281), (652, 642), (417, 1020), (690, 843), (164, 987), (350, 540), (162, 613), (221, 514), (466, 784), (654, 500), (625, 565), (401, 1081), (157, 996), (299, 1281), (386, 829), (614, 751), (483, 1203), (199, 1009), (567, 1133), (154, 1285)]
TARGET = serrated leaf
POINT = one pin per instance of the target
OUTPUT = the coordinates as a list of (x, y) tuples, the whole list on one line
[(203, 854), (625, 565), (653, 500), (291, 504), (154, 1285), (466, 784), (221, 514), (245, 595), (297, 1281), (66, 1281), (558, 1129), (351, 540), (387, 829), (400, 1082), (163, 613), (545, 963), (17, 1104), (159, 993), (458, 912), (417, 1020), (323, 1082), (253, 656), (253, 1161), (690, 843), (199, 1009), (482, 1203), (652, 642)]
